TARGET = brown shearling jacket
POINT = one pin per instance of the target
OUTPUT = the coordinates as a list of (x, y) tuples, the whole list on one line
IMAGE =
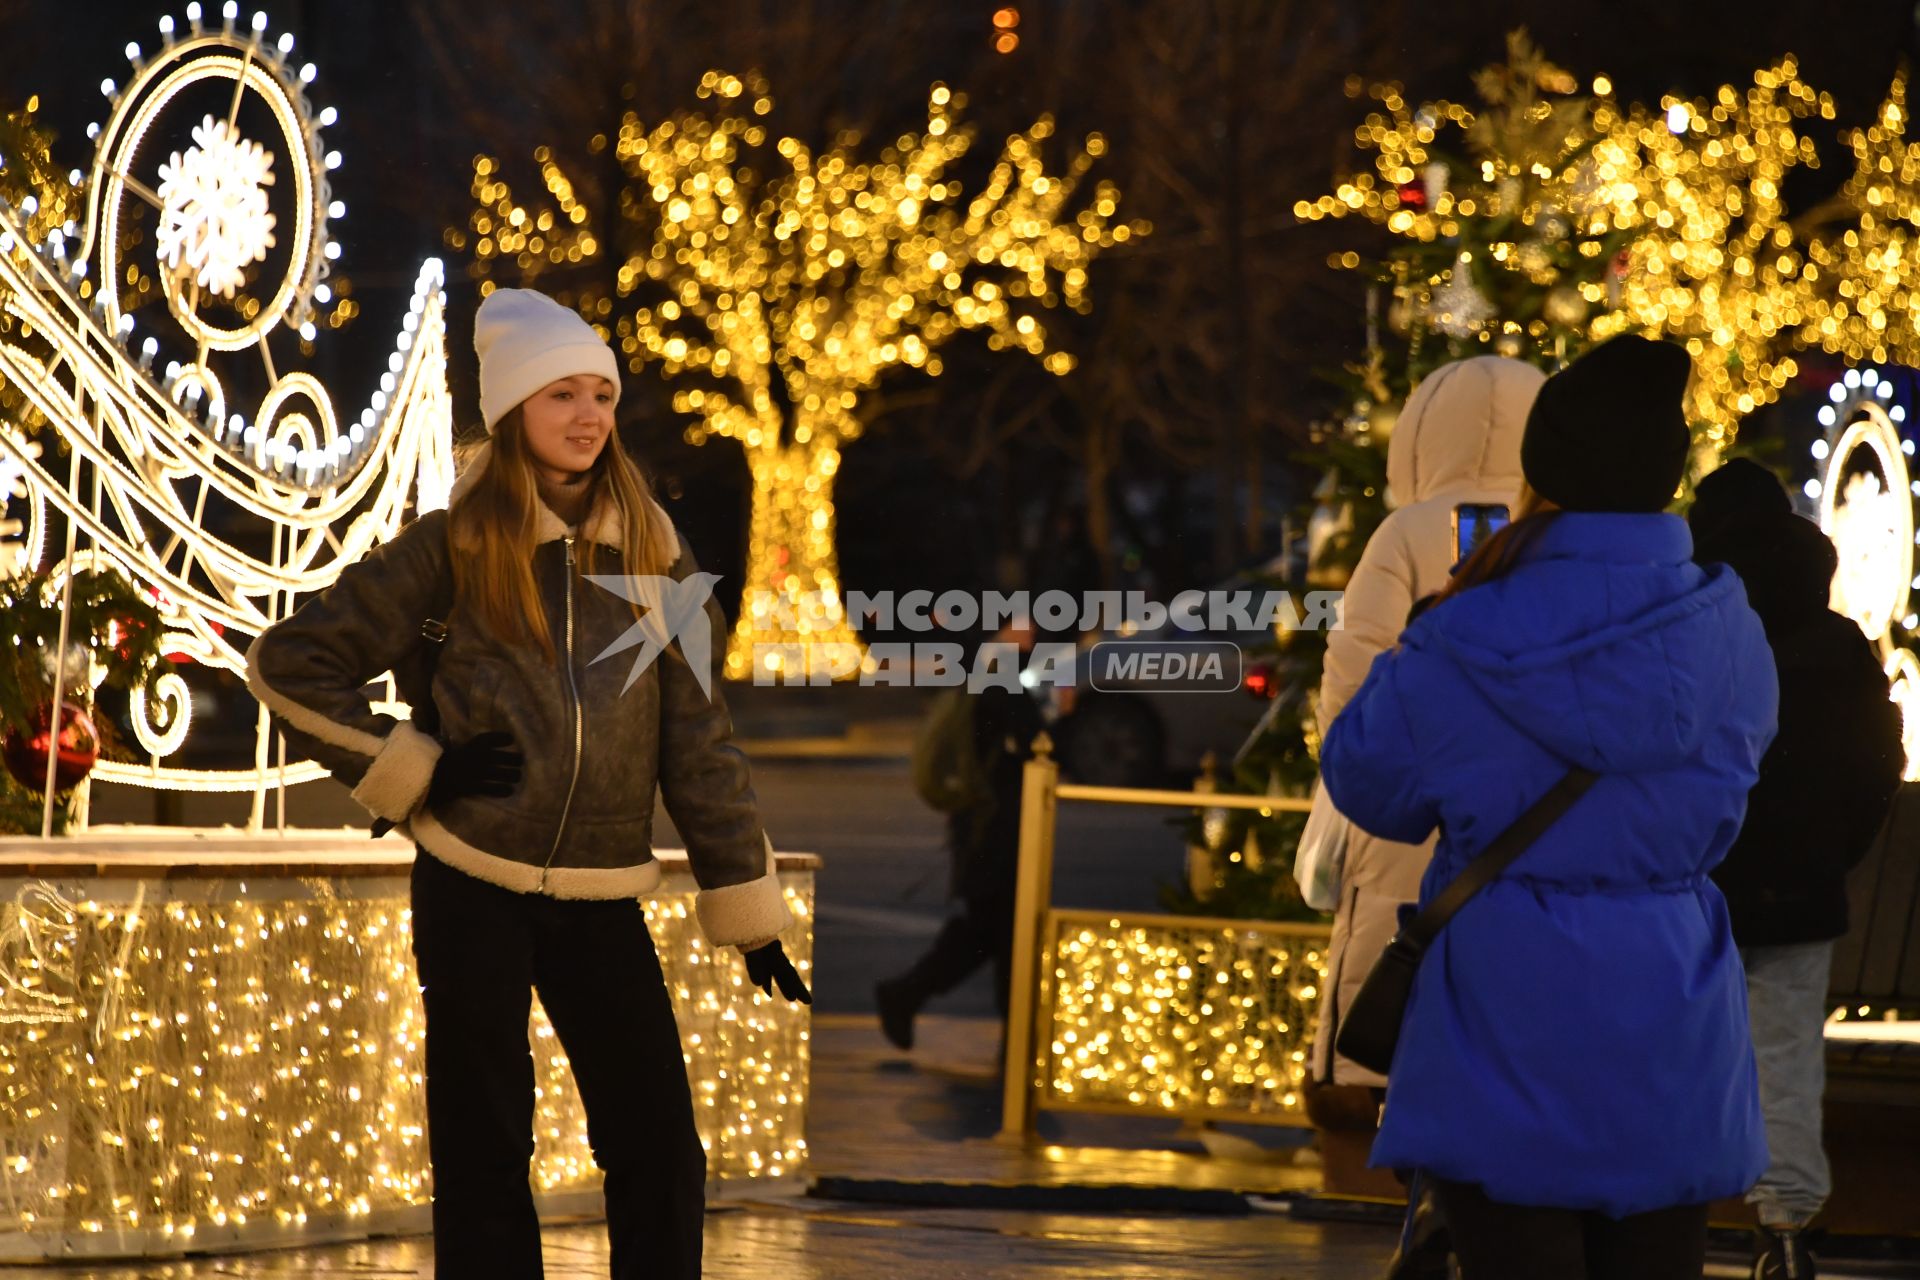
[(580, 823)]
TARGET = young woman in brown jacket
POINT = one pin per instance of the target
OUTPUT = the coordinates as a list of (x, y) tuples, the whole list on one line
[(532, 804)]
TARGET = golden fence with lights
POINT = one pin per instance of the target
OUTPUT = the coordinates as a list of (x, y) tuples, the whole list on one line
[(1200, 1018), (1192, 1017), (194, 1058)]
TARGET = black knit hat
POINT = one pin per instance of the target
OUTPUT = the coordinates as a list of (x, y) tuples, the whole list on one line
[(1609, 431), (1739, 493)]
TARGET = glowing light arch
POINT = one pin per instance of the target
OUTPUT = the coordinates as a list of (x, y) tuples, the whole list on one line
[(1870, 519), (157, 458), (1869, 515)]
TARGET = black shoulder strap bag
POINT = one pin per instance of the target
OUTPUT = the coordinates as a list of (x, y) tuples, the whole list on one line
[(1370, 1028)]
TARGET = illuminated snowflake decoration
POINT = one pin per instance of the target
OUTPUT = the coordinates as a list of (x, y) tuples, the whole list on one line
[(214, 221)]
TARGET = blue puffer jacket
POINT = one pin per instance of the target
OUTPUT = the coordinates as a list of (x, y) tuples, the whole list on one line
[(1577, 1037)]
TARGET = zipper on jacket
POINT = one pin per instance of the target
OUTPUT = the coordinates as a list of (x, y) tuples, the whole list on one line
[(573, 707)]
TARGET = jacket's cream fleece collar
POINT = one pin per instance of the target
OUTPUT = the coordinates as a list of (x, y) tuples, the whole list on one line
[(602, 524)]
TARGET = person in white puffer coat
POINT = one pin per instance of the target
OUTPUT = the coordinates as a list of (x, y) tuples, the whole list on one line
[(1456, 441)]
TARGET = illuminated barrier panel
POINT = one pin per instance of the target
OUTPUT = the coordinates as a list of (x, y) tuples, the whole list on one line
[(1179, 1015), (216, 1042)]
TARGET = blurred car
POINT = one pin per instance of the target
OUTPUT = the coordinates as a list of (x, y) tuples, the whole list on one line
[(1139, 732)]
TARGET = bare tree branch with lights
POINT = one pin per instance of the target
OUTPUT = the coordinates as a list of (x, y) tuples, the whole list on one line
[(1715, 263), (1192, 89), (1860, 267), (796, 281)]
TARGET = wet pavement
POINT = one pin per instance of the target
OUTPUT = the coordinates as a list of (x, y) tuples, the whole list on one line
[(911, 1186), (824, 1240)]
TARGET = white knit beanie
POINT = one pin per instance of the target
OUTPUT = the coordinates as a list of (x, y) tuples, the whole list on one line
[(525, 340)]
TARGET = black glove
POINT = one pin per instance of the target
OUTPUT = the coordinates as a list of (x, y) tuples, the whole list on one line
[(769, 965), (487, 764)]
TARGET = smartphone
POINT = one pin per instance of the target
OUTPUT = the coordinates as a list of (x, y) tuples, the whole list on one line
[(1474, 523)]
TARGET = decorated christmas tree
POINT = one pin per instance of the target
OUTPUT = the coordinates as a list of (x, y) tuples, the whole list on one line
[(1509, 223)]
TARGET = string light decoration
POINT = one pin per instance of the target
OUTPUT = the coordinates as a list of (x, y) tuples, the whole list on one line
[(214, 220), (1006, 35), (1183, 1016), (199, 1060), (138, 457), (793, 283)]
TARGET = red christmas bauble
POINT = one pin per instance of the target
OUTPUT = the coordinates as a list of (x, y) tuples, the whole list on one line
[(1413, 196), (26, 753)]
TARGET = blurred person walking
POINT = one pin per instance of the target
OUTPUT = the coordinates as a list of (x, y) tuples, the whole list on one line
[(1574, 1069), (1825, 787), (968, 763)]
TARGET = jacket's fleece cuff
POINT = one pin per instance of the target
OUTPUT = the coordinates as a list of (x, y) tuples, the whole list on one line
[(396, 782), (754, 911)]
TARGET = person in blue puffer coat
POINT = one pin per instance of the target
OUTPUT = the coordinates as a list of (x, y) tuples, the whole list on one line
[(1574, 1072)]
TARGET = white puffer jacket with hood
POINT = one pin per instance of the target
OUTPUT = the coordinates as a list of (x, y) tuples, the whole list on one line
[(1457, 440)]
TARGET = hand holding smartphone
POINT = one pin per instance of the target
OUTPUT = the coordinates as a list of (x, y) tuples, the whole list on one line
[(1473, 524)]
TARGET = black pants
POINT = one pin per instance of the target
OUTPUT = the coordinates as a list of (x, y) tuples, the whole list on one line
[(482, 951), (982, 933), (1514, 1242)]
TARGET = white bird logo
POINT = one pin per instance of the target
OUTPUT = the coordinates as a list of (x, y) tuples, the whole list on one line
[(675, 610)]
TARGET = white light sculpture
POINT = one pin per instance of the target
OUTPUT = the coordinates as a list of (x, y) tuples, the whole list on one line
[(1866, 507), (229, 490)]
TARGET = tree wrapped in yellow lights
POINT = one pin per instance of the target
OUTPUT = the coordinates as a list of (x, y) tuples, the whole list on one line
[(1861, 287), (1715, 262), (794, 282)]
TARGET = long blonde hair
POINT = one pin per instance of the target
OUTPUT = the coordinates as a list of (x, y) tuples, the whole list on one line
[(494, 523)]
